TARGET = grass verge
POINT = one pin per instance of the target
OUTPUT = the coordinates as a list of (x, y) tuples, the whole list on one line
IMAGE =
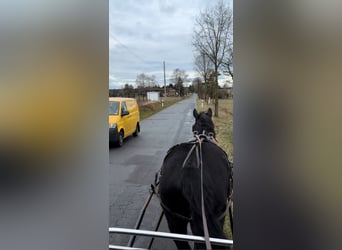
[(223, 124), (150, 108), (224, 136)]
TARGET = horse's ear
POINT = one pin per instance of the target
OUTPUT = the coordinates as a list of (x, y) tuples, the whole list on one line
[(195, 113), (210, 112)]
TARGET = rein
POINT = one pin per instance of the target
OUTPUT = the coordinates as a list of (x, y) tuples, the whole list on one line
[(199, 138), (204, 217), (197, 146)]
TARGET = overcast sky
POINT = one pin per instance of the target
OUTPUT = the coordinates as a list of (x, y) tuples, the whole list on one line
[(144, 33)]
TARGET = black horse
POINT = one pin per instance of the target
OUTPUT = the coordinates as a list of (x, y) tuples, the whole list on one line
[(188, 166)]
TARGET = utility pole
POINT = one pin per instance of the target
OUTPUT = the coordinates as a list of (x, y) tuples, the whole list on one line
[(164, 80)]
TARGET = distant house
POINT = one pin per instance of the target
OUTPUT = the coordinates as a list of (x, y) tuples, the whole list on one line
[(225, 92), (171, 92), (153, 95)]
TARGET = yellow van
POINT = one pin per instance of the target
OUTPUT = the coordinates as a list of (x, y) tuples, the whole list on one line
[(124, 119)]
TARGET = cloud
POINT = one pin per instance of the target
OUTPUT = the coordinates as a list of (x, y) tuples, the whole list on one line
[(166, 6), (142, 36)]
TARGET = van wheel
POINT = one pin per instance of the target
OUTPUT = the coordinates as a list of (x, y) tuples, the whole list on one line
[(137, 130), (120, 141)]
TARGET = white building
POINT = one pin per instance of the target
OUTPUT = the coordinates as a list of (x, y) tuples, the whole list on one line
[(153, 96)]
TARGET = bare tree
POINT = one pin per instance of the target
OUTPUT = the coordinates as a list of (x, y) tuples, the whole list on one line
[(178, 78), (197, 86), (152, 82), (227, 64), (212, 37), (141, 83), (204, 67), (141, 80), (144, 80), (128, 90)]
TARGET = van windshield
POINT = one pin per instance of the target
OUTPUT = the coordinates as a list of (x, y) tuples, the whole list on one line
[(113, 108)]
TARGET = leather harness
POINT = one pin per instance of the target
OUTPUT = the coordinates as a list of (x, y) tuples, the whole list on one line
[(197, 147)]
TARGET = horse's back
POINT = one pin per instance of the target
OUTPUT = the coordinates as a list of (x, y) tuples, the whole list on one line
[(180, 167), (216, 173), (179, 158), (171, 170)]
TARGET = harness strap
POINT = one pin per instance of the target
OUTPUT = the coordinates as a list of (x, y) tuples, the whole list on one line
[(198, 146), (174, 213), (204, 217), (188, 155)]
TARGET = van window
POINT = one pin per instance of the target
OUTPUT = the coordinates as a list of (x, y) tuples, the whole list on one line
[(113, 108), (123, 107)]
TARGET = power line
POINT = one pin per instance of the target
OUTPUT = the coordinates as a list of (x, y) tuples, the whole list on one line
[(128, 49)]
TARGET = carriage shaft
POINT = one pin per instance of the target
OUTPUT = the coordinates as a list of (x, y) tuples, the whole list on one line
[(124, 248), (140, 218), (166, 235)]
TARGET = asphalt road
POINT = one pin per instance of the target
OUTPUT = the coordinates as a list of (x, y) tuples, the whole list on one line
[(132, 169)]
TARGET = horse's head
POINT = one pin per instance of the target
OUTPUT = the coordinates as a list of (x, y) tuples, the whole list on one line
[(203, 122)]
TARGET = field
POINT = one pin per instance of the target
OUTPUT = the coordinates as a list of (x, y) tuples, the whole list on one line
[(224, 135), (223, 124)]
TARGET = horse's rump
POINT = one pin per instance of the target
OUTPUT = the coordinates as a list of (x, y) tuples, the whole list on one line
[(170, 180), (180, 187), (195, 177)]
